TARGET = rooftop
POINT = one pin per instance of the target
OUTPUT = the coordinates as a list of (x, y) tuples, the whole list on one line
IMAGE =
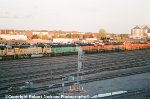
[(137, 27)]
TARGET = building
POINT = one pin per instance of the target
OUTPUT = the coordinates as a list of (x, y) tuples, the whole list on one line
[(65, 40), (148, 33), (140, 32), (40, 33), (13, 37)]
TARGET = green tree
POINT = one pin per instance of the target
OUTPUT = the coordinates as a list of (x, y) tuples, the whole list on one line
[(102, 33)]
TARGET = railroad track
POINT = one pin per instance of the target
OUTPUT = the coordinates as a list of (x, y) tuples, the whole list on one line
[(59, 68), (95, 68), (66, 63), (73, 66), (28, 62), (95, 61), (58, 85), (45, 77)]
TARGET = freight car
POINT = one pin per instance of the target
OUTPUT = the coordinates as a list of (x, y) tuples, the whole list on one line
[(61, 49)]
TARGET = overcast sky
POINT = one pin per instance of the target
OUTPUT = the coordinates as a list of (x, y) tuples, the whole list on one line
[(116, 16)]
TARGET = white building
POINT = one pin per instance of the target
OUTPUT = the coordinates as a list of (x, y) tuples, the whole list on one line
[(148, 33), (40, 33), (140, 32), (64, 40), (13, 37)]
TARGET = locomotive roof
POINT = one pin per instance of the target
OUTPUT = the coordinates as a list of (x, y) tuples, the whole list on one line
[(62, 45), (2, 46)]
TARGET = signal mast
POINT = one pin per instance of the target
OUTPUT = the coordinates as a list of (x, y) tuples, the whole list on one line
[(80, 58), (76, 88)]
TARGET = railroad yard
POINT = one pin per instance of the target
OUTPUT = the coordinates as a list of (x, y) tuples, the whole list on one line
[(46, 73)]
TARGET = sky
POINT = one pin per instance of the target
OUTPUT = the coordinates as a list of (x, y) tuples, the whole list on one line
[(115, 16)]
